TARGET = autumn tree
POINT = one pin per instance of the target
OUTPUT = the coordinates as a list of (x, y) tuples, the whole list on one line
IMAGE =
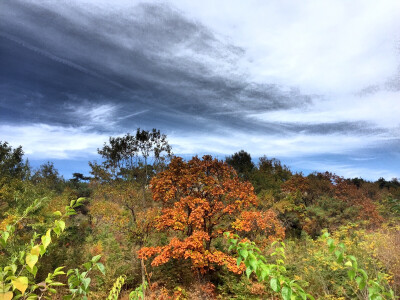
[(201, 199)]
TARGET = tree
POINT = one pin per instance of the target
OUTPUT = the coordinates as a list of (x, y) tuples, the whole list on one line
[(12, 173), (270, 175), (241, 162), (48, 176), (78, 177), (11, 161), (201, 199), (123, 155), (128, 158)]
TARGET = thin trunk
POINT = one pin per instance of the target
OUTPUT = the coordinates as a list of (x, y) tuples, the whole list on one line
[(145, 182), (144, 197), (143, 279)]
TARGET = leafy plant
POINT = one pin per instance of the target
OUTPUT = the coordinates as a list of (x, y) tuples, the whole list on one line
[(137, 294), (116, 289), (373, 289), (274, 273), (17, 278), (78, 282)]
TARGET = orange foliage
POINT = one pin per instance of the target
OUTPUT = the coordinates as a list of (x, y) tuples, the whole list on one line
[(348, 192), (265, 222), (200, 199), (326, 184)]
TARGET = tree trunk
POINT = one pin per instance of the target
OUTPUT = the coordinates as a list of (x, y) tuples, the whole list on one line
[(143, 279)]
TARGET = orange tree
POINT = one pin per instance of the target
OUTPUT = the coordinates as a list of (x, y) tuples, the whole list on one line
[(201, 199)]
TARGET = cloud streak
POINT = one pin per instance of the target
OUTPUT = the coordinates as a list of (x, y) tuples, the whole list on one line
[(277, 78)]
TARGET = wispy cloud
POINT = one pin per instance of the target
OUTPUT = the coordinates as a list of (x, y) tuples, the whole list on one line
[(41, 141), (278, 78)]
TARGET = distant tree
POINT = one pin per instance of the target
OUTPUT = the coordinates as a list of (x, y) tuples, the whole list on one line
[(48, 176), (11, 161), (358, 182), (135, 158), (12, 173), (124, 155), (269, 175), (241, 162), (78, 177)]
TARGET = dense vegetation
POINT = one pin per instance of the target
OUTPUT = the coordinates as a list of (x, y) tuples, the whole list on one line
[(148, 224)]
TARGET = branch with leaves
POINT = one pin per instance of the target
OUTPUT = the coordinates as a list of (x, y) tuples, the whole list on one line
[(256, 263), (17, 278)]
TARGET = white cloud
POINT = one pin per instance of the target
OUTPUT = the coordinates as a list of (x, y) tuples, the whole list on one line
[(95, 115), (345, 170), (332, 46), (46, 141), (40, 141), (381, 109), (319, 46), (291, 145)]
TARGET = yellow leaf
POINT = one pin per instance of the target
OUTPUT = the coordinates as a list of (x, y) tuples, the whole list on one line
[(46, 239), (35, 250), (6, 295), (31, 260), (21, 284)]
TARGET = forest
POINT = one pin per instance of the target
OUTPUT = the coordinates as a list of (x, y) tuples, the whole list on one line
[(148, 224)]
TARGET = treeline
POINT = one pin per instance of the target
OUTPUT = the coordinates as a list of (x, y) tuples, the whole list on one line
[(157, 222)]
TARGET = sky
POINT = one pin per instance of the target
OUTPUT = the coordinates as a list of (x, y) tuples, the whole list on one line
[(315, 84)]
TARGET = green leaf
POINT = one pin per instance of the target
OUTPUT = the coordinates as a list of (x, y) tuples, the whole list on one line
[(21, 284), (361, 282), (264, 273), (253, 262), (5, 235), (286, 293), (61, 224), (331, 244), (364, 274), (248, 272), (348, 264), (57, 213), (238, 261), (31, 260), (33, 270), (101, 268), (325, 235), (351, 273), (274, 284), (244, 253), (86, 282), (87, 265), (96, 258)]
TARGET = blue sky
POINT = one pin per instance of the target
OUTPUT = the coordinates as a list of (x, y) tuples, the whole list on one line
[(315, 84)]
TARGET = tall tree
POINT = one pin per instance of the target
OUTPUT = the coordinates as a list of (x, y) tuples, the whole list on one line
[(241, 162), (11, 161), (201, 199), (125, 156)]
